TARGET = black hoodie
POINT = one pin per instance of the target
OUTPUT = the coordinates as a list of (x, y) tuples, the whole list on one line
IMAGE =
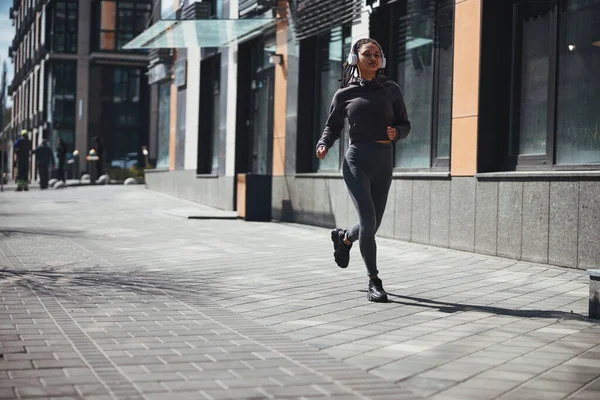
[(371, 106)]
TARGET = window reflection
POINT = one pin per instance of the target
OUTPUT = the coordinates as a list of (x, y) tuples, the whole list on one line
[(578, 124), (329, 48), (415, 77)]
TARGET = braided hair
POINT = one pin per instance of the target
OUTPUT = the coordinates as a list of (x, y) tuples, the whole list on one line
[(349, 72)]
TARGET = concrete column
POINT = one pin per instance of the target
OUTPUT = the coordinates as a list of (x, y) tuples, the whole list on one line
[(173, 125), (153, 126), (231, 95), (192, 108), (465, 93), (83, 77)]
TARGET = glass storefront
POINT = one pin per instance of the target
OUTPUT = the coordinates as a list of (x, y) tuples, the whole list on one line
[(263, 86), (331, 47), (423, 50), (118, 109), (578, 124), (62, 102), (556, 56)]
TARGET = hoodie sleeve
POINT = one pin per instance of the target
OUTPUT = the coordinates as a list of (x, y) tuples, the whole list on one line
[(402, 124), (335, 123)]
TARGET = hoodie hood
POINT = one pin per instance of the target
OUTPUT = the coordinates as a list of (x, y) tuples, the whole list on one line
[(380, 81)]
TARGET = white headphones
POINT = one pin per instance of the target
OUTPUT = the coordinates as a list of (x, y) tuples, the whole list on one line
[(353, 57)]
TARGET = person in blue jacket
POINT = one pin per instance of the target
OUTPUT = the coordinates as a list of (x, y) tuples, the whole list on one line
[(377, 116)]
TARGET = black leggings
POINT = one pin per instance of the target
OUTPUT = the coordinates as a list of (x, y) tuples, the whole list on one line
[(368, 176)]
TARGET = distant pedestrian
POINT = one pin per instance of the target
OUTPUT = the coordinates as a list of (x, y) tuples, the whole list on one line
[(377, 115), (22, 152), (99, 147), (61, 152), (44, 159)]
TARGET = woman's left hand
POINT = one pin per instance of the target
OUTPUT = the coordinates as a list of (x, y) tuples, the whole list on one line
[(392, 132)]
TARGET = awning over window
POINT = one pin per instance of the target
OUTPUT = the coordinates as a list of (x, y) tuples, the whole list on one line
[(199, 33), (315, 16)]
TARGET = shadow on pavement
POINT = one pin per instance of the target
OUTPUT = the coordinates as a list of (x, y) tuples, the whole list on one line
[(69, 282), (16, 232), (456, 307)]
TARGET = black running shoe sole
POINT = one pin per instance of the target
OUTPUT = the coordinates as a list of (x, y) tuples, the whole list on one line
[(334, 237), (380, 300)]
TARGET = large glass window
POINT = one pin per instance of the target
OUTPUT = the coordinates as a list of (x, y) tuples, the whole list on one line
[(423, 53), (555, 81), (63, 29), (118, 113), (119, 21), (578, 103), (62, 97), (63, 92), (332, 48), (444, 51), (530, 90)]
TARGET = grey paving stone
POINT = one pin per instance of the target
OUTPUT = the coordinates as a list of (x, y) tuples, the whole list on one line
[(178, 386), (585, 395), (531, 394)]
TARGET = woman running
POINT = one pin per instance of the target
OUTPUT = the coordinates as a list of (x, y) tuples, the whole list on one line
[(377, 116)]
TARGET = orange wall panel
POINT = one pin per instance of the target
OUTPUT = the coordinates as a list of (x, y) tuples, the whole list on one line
[(464, 146), (279, 114), (467, 25), (465, 93)]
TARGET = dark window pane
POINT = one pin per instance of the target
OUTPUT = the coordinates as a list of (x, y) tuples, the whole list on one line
[(141, 20), (531, 97), (578, 121), (125, 20), (63, 93), (63, 28), (415, 77), (330, 67), (444, 44)]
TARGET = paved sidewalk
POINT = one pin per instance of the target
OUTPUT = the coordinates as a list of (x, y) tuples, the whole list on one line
[(12, 186), (108, 293)]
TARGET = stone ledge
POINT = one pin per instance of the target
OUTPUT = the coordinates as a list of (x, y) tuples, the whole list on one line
[(156, 170), (395, 175), (206, 176), (538, 174)]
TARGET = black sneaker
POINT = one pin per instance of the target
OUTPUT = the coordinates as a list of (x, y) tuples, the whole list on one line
[(341, 251), (376, 292)]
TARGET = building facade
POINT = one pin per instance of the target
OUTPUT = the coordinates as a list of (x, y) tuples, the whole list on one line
[(504, 155), (74, 81)]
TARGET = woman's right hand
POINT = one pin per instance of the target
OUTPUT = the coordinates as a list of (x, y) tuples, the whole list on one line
[(321, 152)]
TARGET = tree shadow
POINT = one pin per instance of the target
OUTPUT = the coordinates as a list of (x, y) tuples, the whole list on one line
[(20, 232), (69, 280), (452, 308)]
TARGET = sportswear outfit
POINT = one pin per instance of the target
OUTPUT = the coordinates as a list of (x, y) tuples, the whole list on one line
[(370, 106)]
